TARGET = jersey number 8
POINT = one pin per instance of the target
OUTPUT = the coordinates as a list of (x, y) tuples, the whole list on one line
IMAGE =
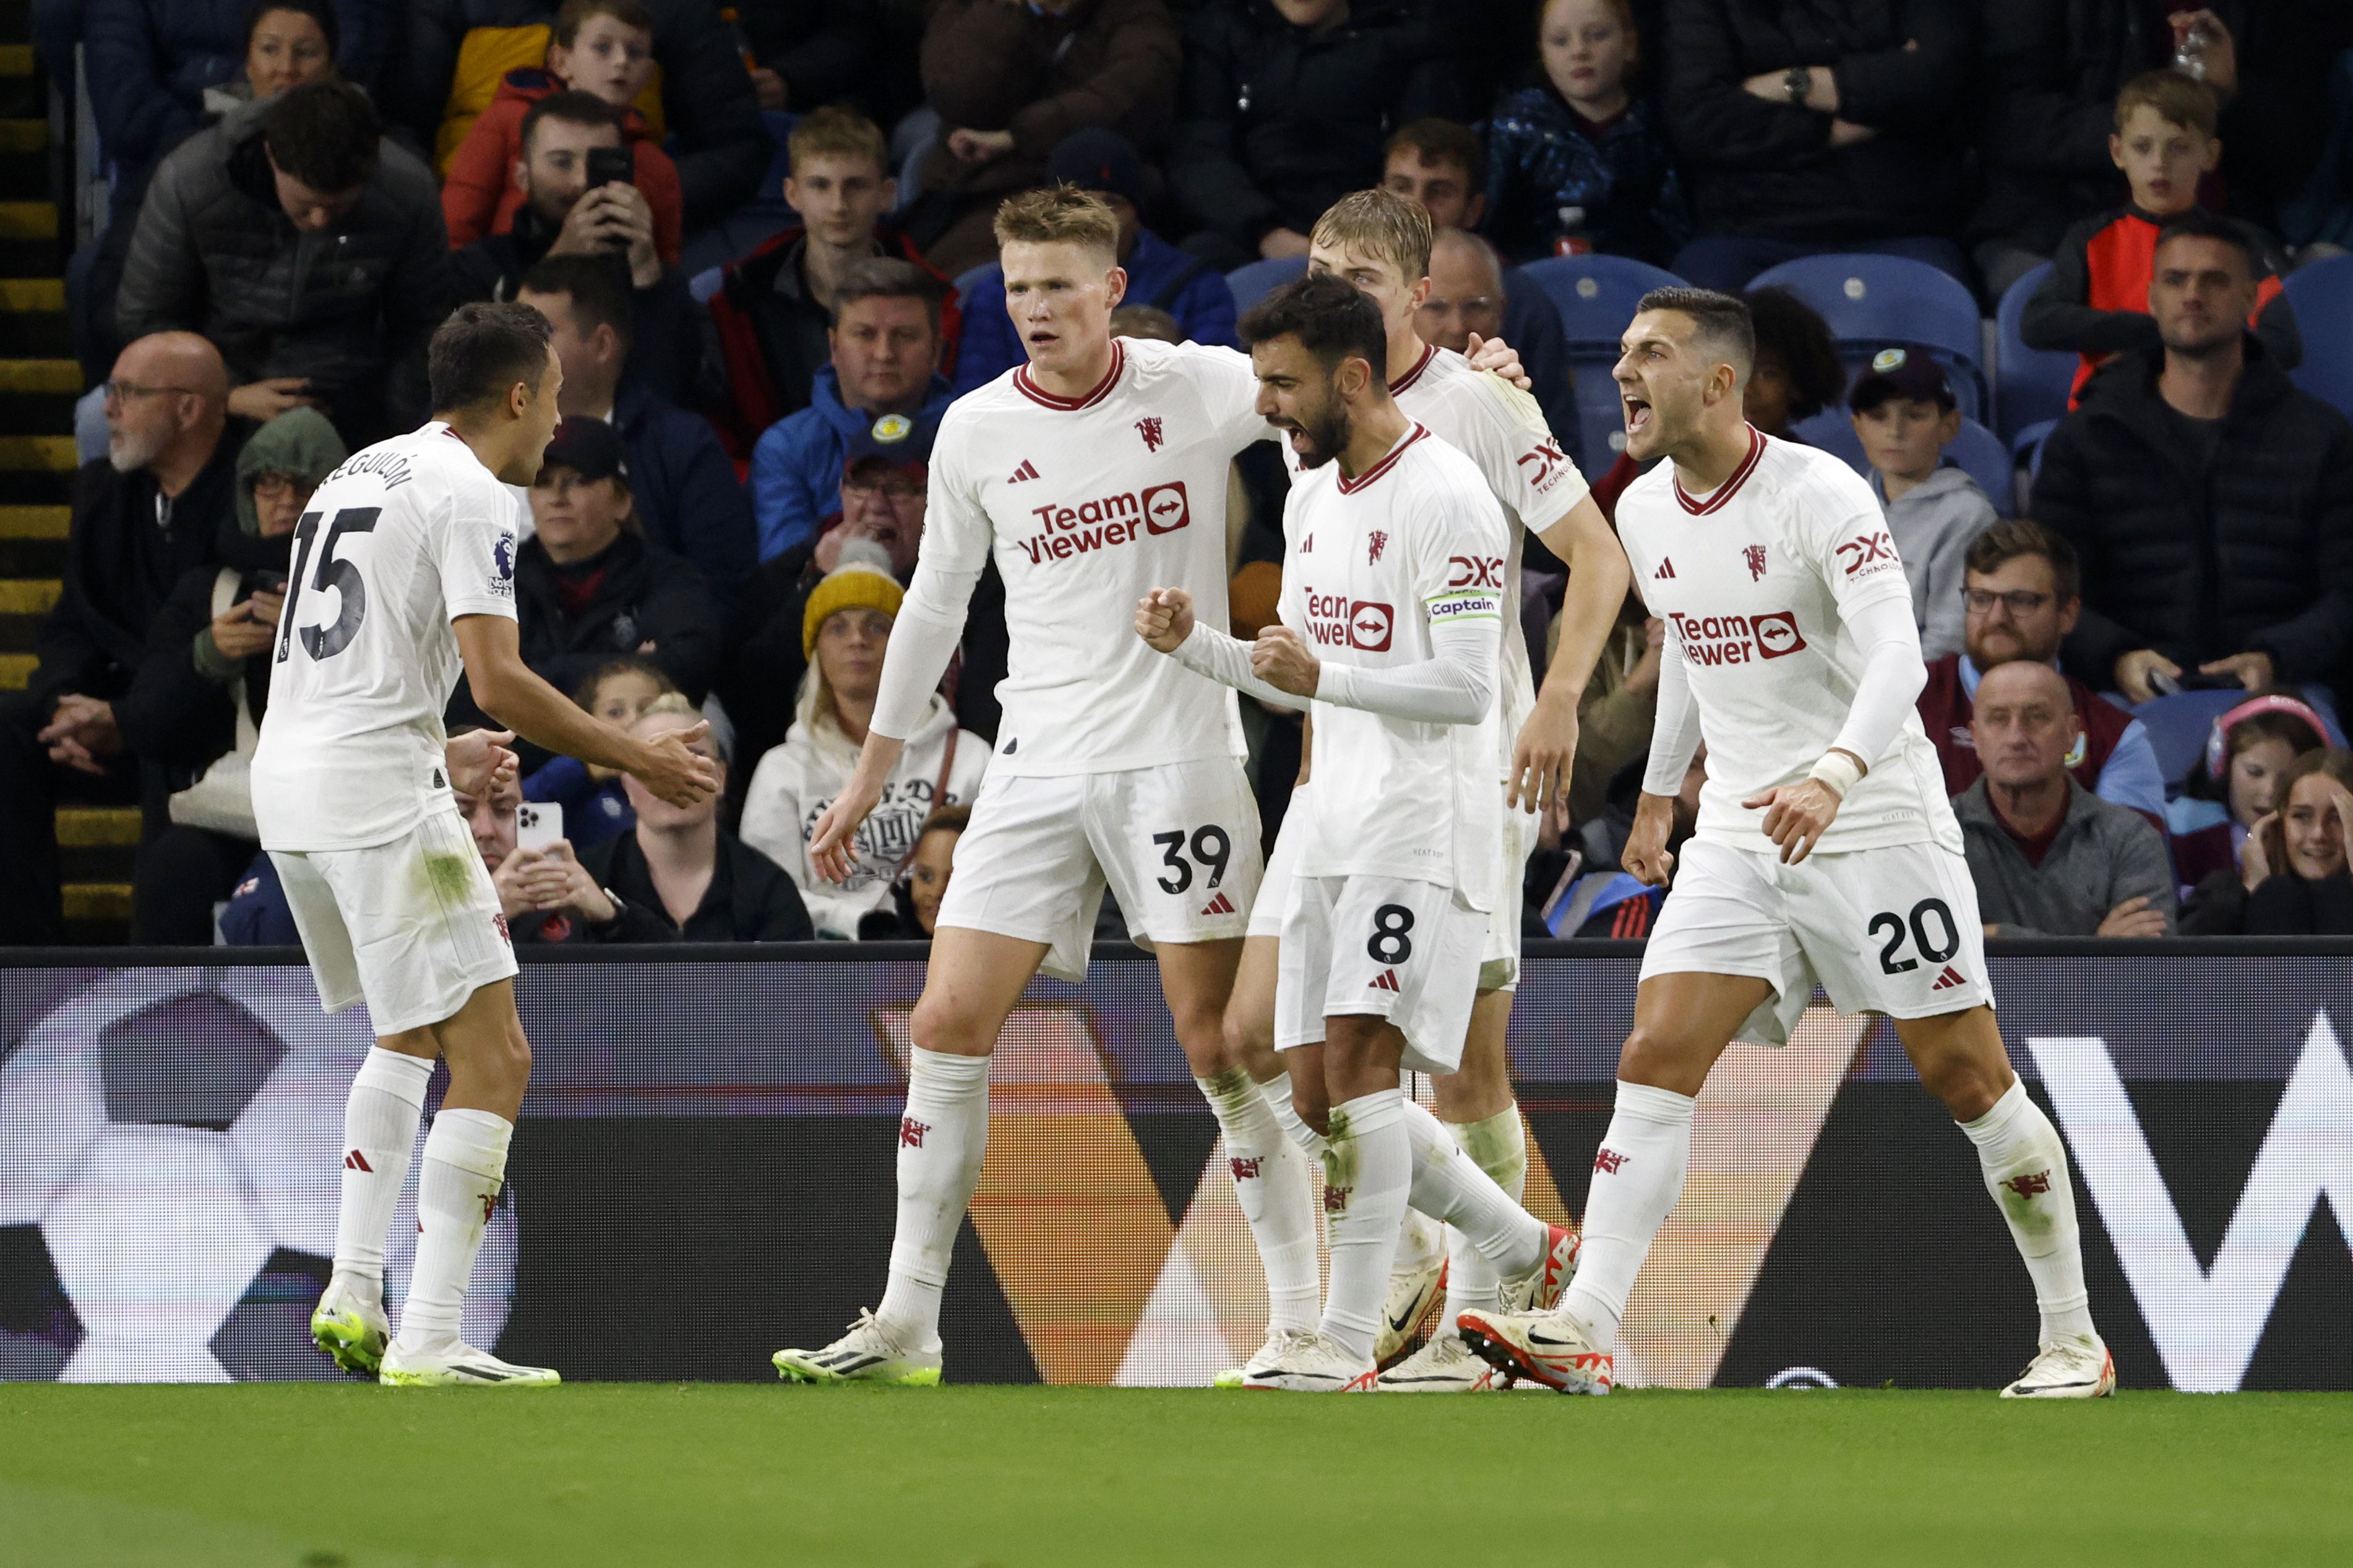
[(351, 593)]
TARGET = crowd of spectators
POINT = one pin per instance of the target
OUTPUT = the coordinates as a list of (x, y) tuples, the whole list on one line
[(762, 238)]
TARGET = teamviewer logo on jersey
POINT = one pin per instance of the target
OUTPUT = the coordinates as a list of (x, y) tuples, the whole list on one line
[(1776, 633), (1369, 626), (1166, 509)]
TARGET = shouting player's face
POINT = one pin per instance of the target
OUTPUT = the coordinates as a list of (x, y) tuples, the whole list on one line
[(1377, 279), (1059, 296), (1666, 382), (1298, 396), (537, 420)]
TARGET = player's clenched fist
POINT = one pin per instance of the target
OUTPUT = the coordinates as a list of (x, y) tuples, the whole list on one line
[(1282, 661), (675, 771), (1646, 858), (1796, 815), (1164, 617)]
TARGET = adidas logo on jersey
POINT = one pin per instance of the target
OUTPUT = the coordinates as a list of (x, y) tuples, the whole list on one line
[(1220, 905), (1027, 470), (1950, 978), (1666, 569), (1385, 981)]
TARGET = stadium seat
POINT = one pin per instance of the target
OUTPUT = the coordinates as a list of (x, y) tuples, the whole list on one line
[(2031, 386), (1871, 301), (2178, 725), (1976, 448), (1596, 297), (2322, 296), (971, 277), (1256, 281)]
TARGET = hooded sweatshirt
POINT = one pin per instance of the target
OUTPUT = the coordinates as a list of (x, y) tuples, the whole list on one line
[(1933, 526), (796, 782)]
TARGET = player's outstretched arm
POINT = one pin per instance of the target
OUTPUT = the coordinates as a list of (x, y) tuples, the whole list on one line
[(1454, 686), (1164, 620), (1598, 580), (506, 688)]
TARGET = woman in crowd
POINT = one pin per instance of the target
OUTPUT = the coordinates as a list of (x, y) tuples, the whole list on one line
[(596, 807), (2292, 879), (2237, 783), (844, 630)]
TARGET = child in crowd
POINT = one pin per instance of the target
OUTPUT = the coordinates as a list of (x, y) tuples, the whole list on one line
[(594, 805), (1905, 414), (2236, 784), (599, 47), (1576, 165), (1796, 372), (2291, 878), (914, 914), (2094, 301)]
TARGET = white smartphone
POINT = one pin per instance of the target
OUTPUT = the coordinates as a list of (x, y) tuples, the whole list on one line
[(538, 824)]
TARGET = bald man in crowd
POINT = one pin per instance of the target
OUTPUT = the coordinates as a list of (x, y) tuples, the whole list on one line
[(144, 515), (1468, 294), (2049, 857)]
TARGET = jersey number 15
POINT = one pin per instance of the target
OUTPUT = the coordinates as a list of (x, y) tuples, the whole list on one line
[(342, 576)]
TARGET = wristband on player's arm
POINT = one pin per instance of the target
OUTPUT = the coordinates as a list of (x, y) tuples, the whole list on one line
[(1841, 771)]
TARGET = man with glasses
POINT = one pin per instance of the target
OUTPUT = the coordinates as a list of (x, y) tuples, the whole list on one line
[(143, 517), (2021, 597)]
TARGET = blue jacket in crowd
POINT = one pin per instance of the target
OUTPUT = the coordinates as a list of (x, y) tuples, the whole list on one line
[(685, 487), (1617, 180), (149, 62), (258, 915), (593, 812), (796, 467), (1158, 274)]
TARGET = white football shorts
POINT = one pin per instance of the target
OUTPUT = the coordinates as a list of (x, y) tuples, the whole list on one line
[(1893, 931), (412, 927), (1176, 844), (1402, 950)]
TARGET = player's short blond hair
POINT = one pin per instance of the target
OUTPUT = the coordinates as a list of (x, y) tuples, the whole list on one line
[(839, 132), (1059, 215), (1382, 225)]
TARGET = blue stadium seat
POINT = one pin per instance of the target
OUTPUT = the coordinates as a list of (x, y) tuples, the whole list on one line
[(2031, 386), (2322, 296), (1976, 448), (1871, 301), (2178, 725), (1256, 281), (971, 276), (1596, 296)]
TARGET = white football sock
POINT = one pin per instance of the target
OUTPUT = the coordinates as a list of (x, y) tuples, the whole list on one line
[(1638, 1174), (1365, 1177), (942, 1137), (1449, 1188), (1272, 1185), (380, 1122), (1277, 1092), (2026, 1171), (465, 1165), (1499, 1146)]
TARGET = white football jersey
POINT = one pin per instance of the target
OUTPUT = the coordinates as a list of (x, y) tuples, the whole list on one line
[(1087, 503), (1754, 582), (1369, 565), (400, 541)]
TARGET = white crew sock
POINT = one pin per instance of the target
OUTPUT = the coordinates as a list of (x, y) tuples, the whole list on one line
[(2026, 1171), (1365, 1177), (1277, 1092), (380, 1122), (1638, 1174), (942, 1137), (1272, 1185), (464, 1166), (1450, 1189), (1499, 1146)]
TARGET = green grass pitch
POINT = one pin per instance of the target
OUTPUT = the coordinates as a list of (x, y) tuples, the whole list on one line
[(350, 1477)]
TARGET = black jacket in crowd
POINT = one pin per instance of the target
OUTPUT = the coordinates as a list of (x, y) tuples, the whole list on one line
[(665, 333), (121, 565), (2253, 553), (176, 716), (2281, 905), (644, 594), (750, 899), (1752, 167), (720, 146), (1276, 122), (351, 309)]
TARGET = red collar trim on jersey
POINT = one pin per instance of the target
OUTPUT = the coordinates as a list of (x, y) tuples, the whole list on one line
[(1724, 492), (1429, 353), (1349, 486), (1036, 394)]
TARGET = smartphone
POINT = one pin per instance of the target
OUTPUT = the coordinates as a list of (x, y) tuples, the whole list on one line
[(538, 824), (611, 166), (269, 583)]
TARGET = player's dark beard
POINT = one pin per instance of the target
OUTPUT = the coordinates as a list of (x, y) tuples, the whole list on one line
[(1328, 434)]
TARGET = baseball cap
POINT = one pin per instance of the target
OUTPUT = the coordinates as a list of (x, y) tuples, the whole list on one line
[(898, 440), (589, 447), (1906, 369), (1100, 160)]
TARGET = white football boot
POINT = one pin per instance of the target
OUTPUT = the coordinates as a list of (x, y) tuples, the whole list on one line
[(458, 1365), (1444, 1365), (2067, 1369), (868, 1353), (1417, 1285), (1541, 1347), (350, 1325), (1538, 1290), (1314, 1364), (1280, 1343)]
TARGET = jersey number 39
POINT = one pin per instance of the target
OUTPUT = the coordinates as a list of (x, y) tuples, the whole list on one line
[(342, 576)]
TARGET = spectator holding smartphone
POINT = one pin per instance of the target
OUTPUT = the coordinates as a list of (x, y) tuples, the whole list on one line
[(2292, 877), (604, 49)]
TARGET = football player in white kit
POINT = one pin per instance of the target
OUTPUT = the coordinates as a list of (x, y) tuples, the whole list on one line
[(1825, 851), (402, 573), (1391, 627), (1380, 242)]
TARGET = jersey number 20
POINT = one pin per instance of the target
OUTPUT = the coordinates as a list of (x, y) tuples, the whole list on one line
[(351, 593)]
